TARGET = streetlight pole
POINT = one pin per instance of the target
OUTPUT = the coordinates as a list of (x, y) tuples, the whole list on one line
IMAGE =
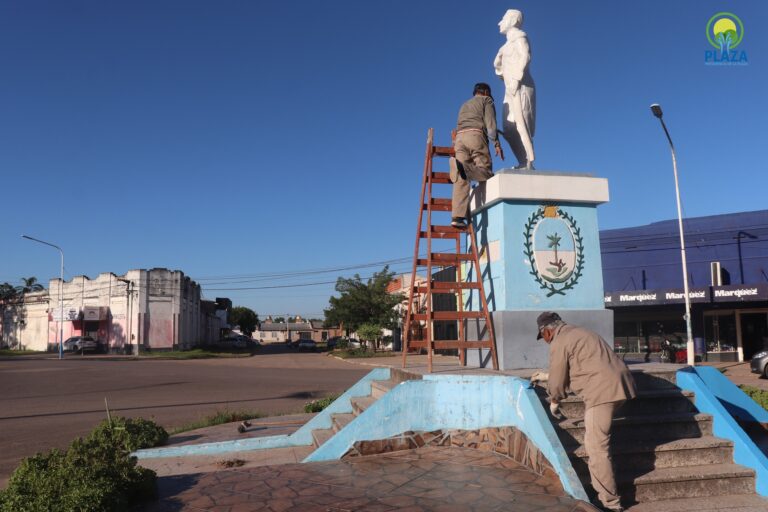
[(656, 109), (128, 313), (61, 292)]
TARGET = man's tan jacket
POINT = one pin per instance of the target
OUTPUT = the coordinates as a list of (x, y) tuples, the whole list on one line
[(581, 360)]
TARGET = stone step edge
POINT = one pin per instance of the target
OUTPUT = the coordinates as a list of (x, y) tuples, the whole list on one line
[(361, 403), (659, 419), (341, 420), (641, 395), (646, 446), (686, 474), (725, 502), (383, 385), (321, 435)]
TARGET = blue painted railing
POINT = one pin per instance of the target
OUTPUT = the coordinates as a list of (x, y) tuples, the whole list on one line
[(718, 396), (302, 437)]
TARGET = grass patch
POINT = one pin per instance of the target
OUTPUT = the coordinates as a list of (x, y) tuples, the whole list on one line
[(319, 405), (199, 353), (758, 395), (8, 352), (353, 353), (218, 418)]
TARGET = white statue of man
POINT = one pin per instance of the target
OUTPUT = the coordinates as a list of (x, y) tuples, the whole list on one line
[(511, 64)]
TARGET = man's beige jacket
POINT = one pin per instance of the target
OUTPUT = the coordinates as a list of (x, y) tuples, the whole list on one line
[(581, 360)]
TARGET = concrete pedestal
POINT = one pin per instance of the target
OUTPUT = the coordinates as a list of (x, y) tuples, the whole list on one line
[(516, 340), (540, 251)]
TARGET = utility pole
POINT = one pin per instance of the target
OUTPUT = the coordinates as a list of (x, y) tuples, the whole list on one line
[(128, 311), (656, 110), (61, 292)]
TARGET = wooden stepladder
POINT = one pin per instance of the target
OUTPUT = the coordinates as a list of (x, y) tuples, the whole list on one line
[(419, 327)]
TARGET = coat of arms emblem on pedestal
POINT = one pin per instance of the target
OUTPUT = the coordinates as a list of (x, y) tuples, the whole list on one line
[(554, 248)]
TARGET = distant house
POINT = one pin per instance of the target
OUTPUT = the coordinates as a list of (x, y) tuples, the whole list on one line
[(280, 332), (321, 334)]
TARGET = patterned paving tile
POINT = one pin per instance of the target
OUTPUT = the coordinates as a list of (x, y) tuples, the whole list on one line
[(430, 479)]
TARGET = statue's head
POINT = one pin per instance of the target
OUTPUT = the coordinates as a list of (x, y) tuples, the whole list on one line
[(512, 19)]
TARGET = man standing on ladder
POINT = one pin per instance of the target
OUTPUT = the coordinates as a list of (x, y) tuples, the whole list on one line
[(476, 125)]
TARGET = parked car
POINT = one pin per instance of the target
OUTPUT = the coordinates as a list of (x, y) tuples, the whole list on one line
[(240, 341), (307, 345), (759, 363), (81, 344)]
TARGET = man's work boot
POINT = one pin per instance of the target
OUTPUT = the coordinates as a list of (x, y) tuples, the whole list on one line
[(459, 222)]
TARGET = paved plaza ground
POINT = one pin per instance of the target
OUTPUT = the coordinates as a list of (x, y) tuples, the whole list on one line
[(422, 480)]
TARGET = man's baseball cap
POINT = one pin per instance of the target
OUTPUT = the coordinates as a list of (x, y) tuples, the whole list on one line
[(545, 319)]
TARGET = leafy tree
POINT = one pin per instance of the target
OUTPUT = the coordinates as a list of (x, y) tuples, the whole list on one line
[(370, 332), (7, 303), (279, 320), (361, 302), (7, 292), (246, 318)]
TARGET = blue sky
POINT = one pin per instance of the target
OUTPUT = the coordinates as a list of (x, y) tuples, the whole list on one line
[(237, 140)]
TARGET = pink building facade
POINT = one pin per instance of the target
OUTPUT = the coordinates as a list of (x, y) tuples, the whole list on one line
[(156, 309)]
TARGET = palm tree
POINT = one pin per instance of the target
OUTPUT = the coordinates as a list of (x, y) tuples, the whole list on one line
[(554, 243), (30, 285)]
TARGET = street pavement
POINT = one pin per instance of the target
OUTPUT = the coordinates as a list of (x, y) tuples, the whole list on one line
[(45, 403)]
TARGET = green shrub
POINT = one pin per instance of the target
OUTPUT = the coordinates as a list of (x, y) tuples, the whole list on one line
[(758, 395), (94, 474), (133, 433), (319, 405)]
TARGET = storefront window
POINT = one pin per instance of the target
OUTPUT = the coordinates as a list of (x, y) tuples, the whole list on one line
[(720, 332), (626, 337), (646, 337)]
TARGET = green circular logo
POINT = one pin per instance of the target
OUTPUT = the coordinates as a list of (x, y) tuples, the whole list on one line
[(725, 31)]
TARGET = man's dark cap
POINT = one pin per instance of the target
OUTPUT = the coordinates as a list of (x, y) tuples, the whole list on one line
[(545, 319)]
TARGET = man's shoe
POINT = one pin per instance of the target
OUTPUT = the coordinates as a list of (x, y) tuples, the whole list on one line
[(459, 222)]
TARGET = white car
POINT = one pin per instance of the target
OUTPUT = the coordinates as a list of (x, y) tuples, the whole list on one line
[(81, 344)]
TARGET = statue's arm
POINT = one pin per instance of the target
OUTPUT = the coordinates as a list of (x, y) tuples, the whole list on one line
[(497, 63)]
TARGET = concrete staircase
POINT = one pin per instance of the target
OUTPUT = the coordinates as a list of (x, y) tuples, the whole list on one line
[(359, 404), (665, 456)]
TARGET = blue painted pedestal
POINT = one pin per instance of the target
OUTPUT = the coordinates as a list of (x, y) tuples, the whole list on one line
[(540, 251)]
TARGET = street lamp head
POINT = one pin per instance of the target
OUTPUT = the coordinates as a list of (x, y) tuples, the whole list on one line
[(656, 109)]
